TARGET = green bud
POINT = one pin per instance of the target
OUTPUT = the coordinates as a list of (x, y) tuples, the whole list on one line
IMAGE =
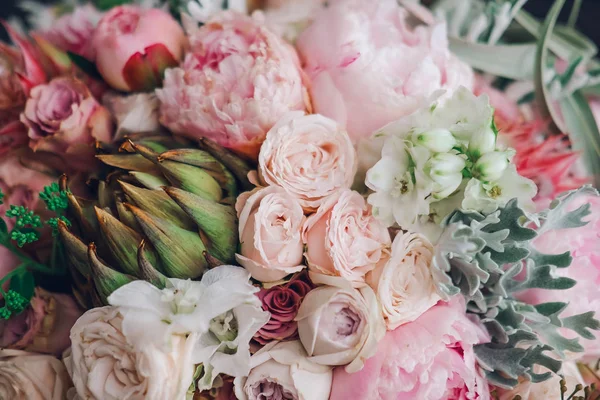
[(192, 179), (106, 279), (150, 180), (180, 250), (129, 162), (235, 164), (75, 250), (436, 140), (481, 143), (217, 221), (491, 166), (147, 270)]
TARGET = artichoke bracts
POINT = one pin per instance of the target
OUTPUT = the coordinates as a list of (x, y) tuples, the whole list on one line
[(163, 210)]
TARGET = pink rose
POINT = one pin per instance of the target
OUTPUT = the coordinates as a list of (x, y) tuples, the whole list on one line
[(29, 376), (270, 224), (583, 243), (309, 156), (44, 326), (235, 83), (429, 359), (135, 45), (369, 67), (344, 239), (64, 118), (73, 31), (282, 302)]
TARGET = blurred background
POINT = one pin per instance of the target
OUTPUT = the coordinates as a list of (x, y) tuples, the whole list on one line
[(588, 21)]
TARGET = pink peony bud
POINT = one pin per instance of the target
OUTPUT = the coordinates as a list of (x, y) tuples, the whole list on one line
[(134, 46), (43, 327), (64, 118)]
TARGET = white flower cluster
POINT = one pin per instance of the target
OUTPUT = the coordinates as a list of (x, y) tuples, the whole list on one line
[(441, 158)]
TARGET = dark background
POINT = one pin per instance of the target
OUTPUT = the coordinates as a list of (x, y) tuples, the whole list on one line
[(589, 19)]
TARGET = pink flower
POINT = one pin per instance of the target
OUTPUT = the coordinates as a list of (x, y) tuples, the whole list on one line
[(270, 224), (282, 302), (43, 327), (583, 243), (429, 359), (546, 160), (309, 156), (344, 239), (235, 83), (64, 118), (13, 134), (134, 46), (73, 31), (369, 67)]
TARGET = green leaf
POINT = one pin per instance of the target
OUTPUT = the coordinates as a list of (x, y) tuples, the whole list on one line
[(583, 131), (85, 65), (3, 229), (108, 4), (23, 283), (542, 93), (498, 60)]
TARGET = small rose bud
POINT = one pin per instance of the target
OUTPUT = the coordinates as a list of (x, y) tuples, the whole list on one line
[(491, 166), (482, 142), (436, 140)]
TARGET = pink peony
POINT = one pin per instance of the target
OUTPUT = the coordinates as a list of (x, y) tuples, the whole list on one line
[(73, 31), (282, 302), (429, 359), (237, 80), (134, 46), (43, 327), (584, 245), (64, 118), (369, 67), (344, 239)]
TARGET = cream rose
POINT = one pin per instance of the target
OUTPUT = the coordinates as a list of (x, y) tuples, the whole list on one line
[(404, 285), (281, 370), (29, 376), (338, 324), (309, 156), (105, 366), (270, 225), (344, 239)]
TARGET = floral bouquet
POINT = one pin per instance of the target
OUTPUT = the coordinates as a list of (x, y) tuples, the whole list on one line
[(300, 200)]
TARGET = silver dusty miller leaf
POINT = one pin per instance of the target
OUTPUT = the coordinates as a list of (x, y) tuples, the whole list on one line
[(490, 258)]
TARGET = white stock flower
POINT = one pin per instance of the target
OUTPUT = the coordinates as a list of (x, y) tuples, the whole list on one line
[(152, 315), (487, 197)]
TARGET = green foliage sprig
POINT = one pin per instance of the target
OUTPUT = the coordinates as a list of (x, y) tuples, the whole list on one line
[(489, 259), (27, 230)]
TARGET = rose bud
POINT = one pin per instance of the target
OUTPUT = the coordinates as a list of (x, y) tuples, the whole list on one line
[(340, 325), (283, 371), (43, 327), (310, 156), (236, 82), (64, 118), (344, 239), (282, 302), (134, 46), (270, 224), (28, 376)]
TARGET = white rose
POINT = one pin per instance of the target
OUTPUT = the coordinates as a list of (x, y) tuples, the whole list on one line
[(340, 325), (281, 370), (404, 285), (29, 376), (104, 364)]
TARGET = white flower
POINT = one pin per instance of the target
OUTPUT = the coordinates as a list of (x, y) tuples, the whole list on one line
[(225, 348), (281, 370), (203, 10), (437, 140), (152, 315), (491, 166), (487, 197)]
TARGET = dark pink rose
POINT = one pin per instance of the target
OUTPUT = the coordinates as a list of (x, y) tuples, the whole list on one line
[(44, 327), (65, 119), (282, 302)]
